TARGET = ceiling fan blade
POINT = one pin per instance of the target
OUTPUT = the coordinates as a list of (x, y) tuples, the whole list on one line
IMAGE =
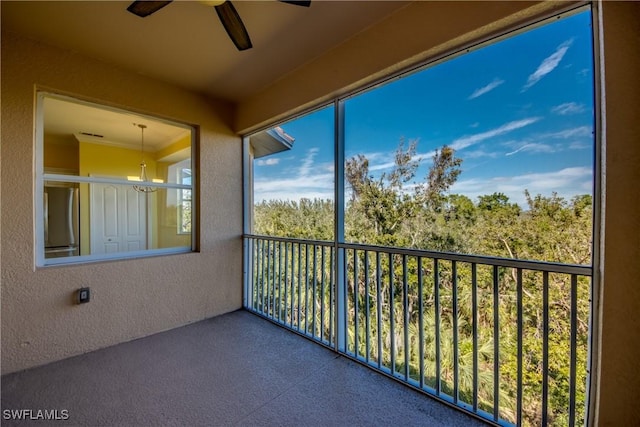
[(146, 8), (305, 3), (234, 26)]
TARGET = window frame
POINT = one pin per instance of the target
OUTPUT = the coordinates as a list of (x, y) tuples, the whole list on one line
[(181, 200), (41, 177), (592, 383)]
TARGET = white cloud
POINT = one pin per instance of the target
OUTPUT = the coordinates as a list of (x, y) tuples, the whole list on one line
[(307, 164), (488, 88), (386, 160), (294, 188), (566, 182), (392, 163), (466, 141), (568, 108), (267, 162), (580, 131), (475, 154), (578, 146), (548, 64), (533, 147), (311, 180)]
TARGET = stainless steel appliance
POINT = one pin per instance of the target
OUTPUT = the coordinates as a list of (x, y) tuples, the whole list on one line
[(61, 219)]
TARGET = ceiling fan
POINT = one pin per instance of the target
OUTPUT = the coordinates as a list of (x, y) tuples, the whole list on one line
[(226, 12)]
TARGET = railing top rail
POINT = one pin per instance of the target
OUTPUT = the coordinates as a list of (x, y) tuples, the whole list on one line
[(551, 267), (290, 240)]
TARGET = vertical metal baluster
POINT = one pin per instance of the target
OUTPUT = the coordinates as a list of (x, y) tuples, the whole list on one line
[(254, 270), (332, 283), (286, 281), (545, 346), (293, 284), (356, 295), (272, 294), (313, 296), (454, 296), (345, 298), (496, 345), (281, 279), (256, 282), (392, 316), (574, 338), (306, 288), (269, 276), (246, 264), (436, 299), (256, 300), (274, 266), (474, 309), (262, 278), (520, 341), (420, 323), (265, 279), (299, 308), (278, 281), (246, 274), (367, 302), (405, 312), (322, 290), (265, 288), (379, 309)]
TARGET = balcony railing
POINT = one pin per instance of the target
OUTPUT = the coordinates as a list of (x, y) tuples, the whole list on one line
[(503, 339)]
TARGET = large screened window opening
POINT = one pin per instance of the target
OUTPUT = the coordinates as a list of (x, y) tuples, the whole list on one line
[(293, 177), (110, 183), (457, 253)]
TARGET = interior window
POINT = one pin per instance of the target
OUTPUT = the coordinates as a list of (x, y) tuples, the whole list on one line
[(111, 183)]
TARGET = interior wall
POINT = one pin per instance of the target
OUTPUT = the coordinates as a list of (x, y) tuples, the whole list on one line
[(619, 376), (129, 298), (61, 154), (106, 161)]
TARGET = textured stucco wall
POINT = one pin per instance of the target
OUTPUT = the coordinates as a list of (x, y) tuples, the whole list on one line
[(130, 298), (619, 388), (39, 324)]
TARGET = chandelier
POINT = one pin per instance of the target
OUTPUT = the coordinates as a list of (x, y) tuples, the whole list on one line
[(142, 188)]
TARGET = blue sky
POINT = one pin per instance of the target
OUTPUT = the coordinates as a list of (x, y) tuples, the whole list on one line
[(519, 113)]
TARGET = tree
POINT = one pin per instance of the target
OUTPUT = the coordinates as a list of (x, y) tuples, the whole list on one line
[(383, 210)]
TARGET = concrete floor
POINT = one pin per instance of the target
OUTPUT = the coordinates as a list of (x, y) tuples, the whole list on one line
[(235, 369)]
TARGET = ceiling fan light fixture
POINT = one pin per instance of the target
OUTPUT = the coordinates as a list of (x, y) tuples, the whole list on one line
[(227, 13), (212, 3)]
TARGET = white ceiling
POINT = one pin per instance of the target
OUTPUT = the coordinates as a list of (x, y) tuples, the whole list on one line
[(186, 45), (92, 123)]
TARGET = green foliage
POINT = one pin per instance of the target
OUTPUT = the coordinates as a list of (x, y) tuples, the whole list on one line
[(306, 219), (395, 210)]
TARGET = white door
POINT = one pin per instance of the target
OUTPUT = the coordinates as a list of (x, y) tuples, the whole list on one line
[(118, 218)]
